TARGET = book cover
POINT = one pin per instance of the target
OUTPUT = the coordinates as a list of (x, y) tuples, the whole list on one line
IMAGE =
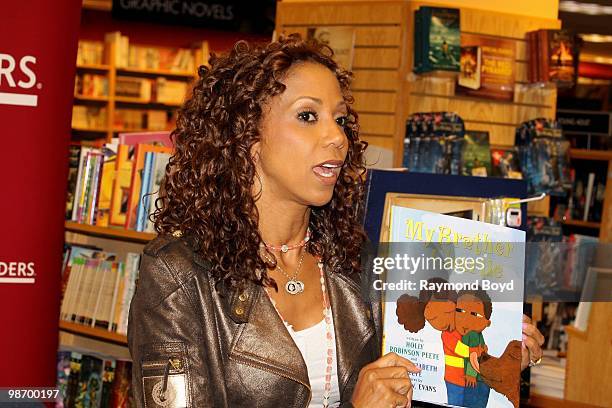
[(90, 383), (121, 385), (121, 185), (497, 70), (144, 199), (72, 389), (443, 38), (505, 163), (63, 374), (137, 178), (159, 172), (340, 39), (471, 64), (561, 68), (457, 322), (109, 169), (476, 154), (74, 153), (107, 382)]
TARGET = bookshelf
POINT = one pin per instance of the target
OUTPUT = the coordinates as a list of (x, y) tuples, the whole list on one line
[(108, 107), (117, 233), (93, 332)]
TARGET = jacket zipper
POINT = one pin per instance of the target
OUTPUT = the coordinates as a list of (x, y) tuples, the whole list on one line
[(264, 368)]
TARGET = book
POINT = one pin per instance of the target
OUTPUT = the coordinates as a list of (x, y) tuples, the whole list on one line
[(159, 171), (456, 322), (340, 39), (476, 154), (504, 163), (497, 68), (437, 33), (63, 375), (136, 182), (471, 65), (553, 56), (143, 202), (109, 171), (121, 184), (90, 382)]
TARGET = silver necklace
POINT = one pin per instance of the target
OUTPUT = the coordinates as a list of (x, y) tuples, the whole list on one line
[(293, 286)]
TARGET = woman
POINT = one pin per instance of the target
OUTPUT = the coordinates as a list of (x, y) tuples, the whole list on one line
[(250, 295)]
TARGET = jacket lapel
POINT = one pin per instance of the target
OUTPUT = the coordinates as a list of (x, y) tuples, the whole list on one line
[(352, 324), (263, 340)]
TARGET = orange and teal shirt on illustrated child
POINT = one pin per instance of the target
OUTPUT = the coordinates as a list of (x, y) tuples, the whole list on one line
[(455, 353)]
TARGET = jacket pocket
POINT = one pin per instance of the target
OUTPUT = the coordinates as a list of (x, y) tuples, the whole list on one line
[(165, 375)]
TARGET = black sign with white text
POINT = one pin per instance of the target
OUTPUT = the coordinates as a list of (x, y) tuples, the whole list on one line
[(595, 123), (233, 15)]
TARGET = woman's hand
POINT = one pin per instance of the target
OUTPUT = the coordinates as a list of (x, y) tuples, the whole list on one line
[(532, 342), (385, 383)]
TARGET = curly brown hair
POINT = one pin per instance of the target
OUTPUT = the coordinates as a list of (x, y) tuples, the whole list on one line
[(207, 190)]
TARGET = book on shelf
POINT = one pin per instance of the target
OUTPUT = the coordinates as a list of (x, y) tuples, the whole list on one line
[(91, 380), (471, 67), (476, 154), (133, 87), (437, 39), (91, 85), (496, 76), (90, 53), (147, 119), (140, 175), (89, 117), (552, 57), (99, 289)]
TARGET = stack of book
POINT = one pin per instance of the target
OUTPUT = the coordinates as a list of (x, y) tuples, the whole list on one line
[(140, 119), (90, 53), (91, 85), (548, 378), (117, 185), (89, 117), (93, 381), (160, 90), (180, 60), (552, 57), (97, 288)]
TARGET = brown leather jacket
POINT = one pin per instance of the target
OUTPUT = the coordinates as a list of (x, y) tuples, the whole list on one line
[(194, 346)]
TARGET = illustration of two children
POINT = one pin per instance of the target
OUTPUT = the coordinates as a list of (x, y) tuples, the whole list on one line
[(461, 317)]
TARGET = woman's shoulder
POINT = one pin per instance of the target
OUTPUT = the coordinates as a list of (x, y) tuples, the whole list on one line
[(177, 254)]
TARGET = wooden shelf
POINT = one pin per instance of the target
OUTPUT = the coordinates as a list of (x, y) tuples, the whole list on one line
[(90, 130), (134, 101), (585, 154), (156, 72), (93, 332), (109, 232), (579, 223), (91, 98), (93, 67), (542, 401)]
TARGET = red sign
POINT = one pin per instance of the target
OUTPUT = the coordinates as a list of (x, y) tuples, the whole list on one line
[(38, 43)]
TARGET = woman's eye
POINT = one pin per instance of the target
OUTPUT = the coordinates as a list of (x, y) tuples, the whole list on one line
[(342, 121), (307, 116)]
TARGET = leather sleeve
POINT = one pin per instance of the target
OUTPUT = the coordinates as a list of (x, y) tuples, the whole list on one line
[(165, 339)]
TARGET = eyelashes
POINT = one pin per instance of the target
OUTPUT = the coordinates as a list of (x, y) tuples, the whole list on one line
[(310, 117)]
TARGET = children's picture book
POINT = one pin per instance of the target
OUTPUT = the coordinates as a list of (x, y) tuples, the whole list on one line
[(497, 68), (461, 322)]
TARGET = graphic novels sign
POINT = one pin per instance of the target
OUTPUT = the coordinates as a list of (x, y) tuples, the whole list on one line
[(38, 44), (595, 123), (233, 15)]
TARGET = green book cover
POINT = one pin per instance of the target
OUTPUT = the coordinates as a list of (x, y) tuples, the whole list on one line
[(443, 38), (476, 155)]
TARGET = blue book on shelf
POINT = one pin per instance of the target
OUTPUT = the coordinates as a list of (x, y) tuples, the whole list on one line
[(143, 202)]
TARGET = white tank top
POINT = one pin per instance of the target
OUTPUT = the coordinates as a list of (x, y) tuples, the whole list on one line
[(313, 346)]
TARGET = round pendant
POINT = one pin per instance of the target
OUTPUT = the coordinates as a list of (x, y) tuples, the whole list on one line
[(294, 287), (284, 248)]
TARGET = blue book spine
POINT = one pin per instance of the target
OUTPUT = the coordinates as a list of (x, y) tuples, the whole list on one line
[(143, 202)]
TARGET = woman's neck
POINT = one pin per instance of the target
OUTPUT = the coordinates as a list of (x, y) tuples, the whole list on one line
[(281, 222)]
